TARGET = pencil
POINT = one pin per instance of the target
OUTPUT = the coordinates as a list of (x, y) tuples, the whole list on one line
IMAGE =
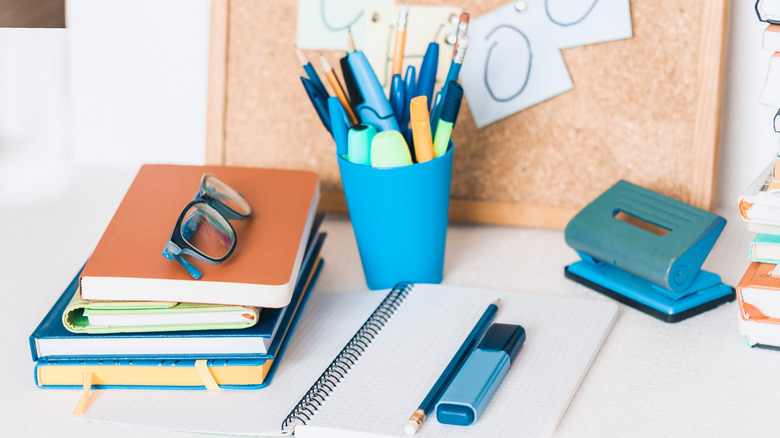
[(427, 405), (400, 39), (463, 29), (350, 41), (338, 90)]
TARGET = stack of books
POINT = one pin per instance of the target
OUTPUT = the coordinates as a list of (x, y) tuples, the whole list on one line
[(132, 318), (758, 293)]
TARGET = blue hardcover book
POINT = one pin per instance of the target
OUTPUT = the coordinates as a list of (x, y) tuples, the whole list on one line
[(51, 341)]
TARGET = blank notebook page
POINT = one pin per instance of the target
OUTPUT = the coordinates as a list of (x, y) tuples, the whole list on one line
[(390, 380)]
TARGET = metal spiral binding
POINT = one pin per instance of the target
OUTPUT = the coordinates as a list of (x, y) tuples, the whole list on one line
[(346, 359)]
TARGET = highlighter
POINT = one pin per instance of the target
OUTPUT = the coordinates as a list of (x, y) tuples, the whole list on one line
[(421, 129), (389, 149), (373, 107), (449, 106), (359, 144), (477, 380)]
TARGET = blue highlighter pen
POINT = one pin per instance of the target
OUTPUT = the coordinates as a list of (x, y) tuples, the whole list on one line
[(374, 108), (471, 389)]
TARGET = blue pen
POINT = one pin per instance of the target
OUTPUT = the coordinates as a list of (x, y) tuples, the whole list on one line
[(434, 110), (397, 98), (457, 361), (427, 79), (338, 124), (374, 109), (409, 89), (318, 100)]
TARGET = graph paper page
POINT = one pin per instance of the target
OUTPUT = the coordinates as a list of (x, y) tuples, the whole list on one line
[(403, 362)]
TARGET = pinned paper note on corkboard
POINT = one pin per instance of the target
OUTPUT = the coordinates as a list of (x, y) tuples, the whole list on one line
[(645, 109), (515, 60)]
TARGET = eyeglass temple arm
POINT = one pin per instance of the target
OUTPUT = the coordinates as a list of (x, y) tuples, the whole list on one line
[(193, 271)]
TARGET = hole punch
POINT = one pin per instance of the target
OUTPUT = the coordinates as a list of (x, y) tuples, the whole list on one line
[(645, 250)]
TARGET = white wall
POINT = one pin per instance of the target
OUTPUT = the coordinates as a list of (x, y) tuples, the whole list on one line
[(33, 97), (138, 80)]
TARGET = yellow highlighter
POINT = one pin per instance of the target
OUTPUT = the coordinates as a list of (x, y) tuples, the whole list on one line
[(421, 129), (389, 149)]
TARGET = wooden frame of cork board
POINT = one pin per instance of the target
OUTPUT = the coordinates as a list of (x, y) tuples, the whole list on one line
[(645, 109)]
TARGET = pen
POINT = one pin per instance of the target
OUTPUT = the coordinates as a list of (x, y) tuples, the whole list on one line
[(421, 129), (418, 417), (427, 80), (450, 105), (409, 88), (397, 98), (318, 100), (311, 72), (336, 85)]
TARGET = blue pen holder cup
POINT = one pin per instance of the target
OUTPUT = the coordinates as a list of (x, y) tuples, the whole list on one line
[(399, 216)]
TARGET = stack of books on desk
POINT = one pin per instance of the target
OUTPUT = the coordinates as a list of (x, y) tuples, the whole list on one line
[(133, 318), (758, 293)]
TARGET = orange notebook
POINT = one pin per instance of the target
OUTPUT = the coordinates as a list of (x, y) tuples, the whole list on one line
[(127, 264)]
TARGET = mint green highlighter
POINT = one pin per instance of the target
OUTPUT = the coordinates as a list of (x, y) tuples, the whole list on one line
[(645, 249)]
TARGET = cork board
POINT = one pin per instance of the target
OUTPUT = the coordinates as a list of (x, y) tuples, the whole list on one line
[(645, 109)]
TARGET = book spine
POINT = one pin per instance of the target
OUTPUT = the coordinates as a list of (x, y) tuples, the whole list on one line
[(305, 409)]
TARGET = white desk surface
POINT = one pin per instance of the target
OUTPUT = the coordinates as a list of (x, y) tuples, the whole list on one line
[(693, 378)]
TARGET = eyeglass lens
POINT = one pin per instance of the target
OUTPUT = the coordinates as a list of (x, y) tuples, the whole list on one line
[(207, 231), (227, 196)]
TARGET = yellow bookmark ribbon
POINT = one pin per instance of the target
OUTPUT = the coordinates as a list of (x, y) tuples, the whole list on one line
[(205, 375), (81, 407)]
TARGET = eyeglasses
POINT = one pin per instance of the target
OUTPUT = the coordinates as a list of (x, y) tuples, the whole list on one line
[(202, 229)]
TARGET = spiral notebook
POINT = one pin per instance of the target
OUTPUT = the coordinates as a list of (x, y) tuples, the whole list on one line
[(360, 363)]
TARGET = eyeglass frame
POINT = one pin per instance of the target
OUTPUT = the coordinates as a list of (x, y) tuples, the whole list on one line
[(177, 246)]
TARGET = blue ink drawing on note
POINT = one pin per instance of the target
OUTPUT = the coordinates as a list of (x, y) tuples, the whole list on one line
[(514, 59), (323, 24)]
